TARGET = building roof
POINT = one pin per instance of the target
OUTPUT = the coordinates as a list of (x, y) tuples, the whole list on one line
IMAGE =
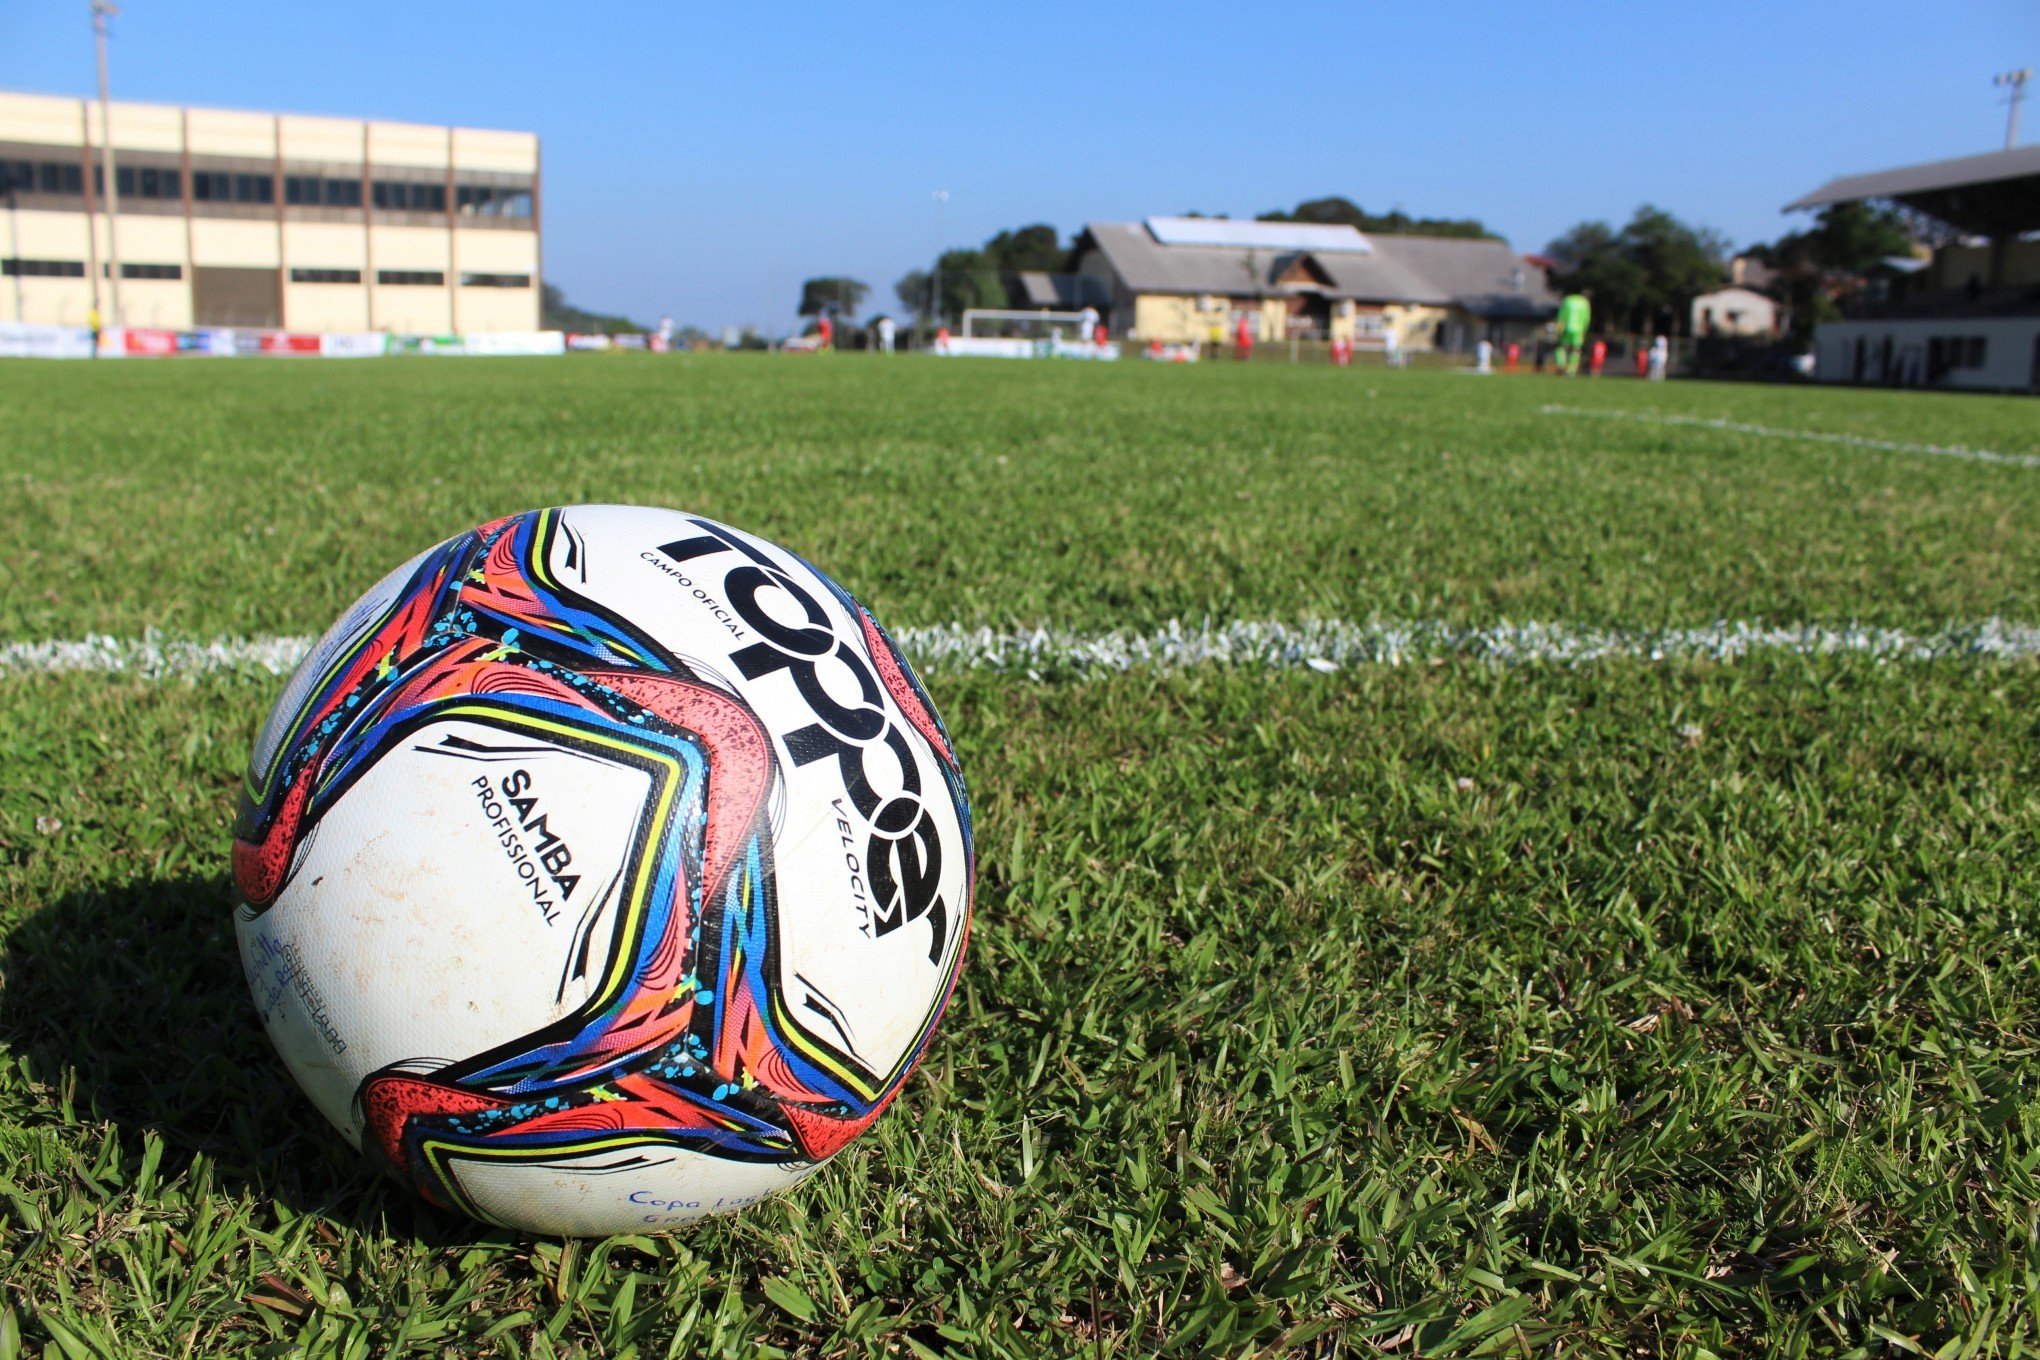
[(1068, 292), (1994, 194), (1485, 276)]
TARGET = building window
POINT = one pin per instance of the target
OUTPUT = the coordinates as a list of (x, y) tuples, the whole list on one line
[(1945, 352), (221, 186), (396, 195), (142, 182), (149, 271), (325, 276), (495, 280), (318, 191), (410, 278), (492, 200), (59, 177), (42, 269)]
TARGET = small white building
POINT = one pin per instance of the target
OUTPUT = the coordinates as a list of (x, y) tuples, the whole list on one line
[(1735, 310)]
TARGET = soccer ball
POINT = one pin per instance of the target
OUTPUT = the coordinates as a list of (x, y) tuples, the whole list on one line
[(601, 869)]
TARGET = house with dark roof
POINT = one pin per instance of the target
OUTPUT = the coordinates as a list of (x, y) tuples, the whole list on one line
[(1183, 279)]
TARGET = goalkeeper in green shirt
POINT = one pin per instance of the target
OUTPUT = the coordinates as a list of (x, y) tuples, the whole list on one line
[(1574, 311)]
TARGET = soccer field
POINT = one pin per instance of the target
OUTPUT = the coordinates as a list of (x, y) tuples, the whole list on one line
[(1468, 865)]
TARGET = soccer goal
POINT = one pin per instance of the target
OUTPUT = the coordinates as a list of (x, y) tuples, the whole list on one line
[(1014, 323)]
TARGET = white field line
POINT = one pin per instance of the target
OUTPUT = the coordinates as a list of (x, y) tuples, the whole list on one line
[(1325, 646), (1854, 441)]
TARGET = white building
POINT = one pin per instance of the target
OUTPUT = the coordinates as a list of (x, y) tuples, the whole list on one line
[(1735, 311), (264, 220)]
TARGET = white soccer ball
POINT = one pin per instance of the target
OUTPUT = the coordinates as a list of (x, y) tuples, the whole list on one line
[(601, 869)]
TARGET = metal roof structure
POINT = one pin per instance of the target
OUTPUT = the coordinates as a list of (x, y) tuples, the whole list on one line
[(1997, 194), (1224, 232)]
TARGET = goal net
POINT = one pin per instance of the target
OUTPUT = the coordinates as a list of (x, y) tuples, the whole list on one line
[(1017, 324)]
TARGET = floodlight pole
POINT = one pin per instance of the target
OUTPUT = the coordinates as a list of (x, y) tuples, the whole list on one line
[(14, 244), (2015, 81), (100, 10), (935, 274)]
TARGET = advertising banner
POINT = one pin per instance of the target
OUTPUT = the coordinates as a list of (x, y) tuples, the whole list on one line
[(23, 340), (588, 342), (354, 345), (517, 342), (145, 341), (427, 344), (224, 342), (285, 342), (984, 347)]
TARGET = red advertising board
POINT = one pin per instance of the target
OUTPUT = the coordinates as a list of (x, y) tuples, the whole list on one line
[(282, 342), (146, 341)]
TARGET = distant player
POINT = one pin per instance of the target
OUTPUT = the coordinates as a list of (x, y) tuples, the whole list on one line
[(826, 328), (1597, 357), (885, 335), (1574, 311), (1484, 357), (1660, 358), (1243, 339)]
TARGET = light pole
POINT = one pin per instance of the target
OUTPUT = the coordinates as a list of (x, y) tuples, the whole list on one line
[(2015, 81), (100, 10), (935, 275), (14, 239)]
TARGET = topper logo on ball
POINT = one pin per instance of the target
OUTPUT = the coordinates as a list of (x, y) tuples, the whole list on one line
[(904, 849)]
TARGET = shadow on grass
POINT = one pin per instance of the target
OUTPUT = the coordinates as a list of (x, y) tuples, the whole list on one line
[(128, 1003)]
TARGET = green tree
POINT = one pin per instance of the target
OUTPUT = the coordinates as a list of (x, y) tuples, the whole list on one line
[(1644, 276), (969, 278), (977, 278), (912, 291), (1336, 210), (555, 313), (834, 296), (1033, 247), (1332, 211), (1830, 259), (1853, 238)]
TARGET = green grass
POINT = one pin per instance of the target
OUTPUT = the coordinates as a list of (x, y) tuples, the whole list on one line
[(1434, 1010)]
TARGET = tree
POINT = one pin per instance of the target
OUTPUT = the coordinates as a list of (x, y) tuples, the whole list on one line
[(1853, 238), (1332, 211), (912, 291), (970, 278), (1644, 276), (977, 278), (555, 313), (834, 296), (1336, 210), (1029, 248), (1832, 258)]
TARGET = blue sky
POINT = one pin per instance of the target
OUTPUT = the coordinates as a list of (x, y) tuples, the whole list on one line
[(702, 160)]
